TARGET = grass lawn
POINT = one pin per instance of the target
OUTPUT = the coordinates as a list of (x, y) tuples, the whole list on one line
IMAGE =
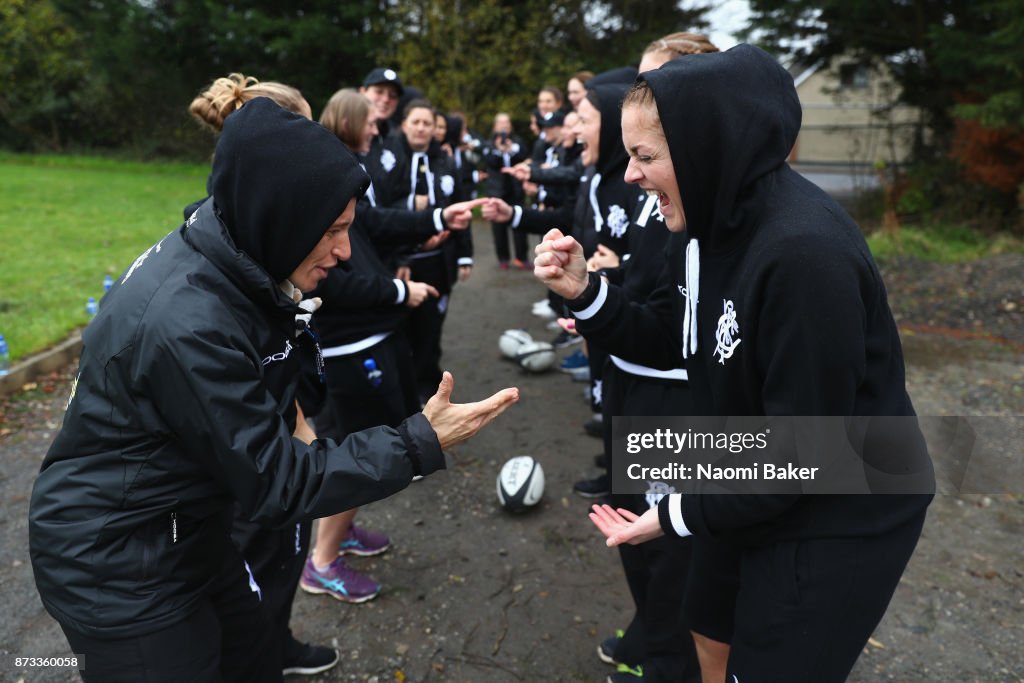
[(67, 222), (943, 242)]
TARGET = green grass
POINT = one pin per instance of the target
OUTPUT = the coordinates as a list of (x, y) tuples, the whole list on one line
[(65, 222), (946, 243)]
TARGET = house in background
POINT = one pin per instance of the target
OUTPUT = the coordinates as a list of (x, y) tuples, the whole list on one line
[(851, 117)]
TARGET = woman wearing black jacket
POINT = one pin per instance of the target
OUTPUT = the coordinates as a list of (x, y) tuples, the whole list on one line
[(773, 300), (172, 419), (419, 176)]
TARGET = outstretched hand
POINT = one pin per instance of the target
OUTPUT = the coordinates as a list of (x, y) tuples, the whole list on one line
[(622, 526), (455, 422), (520, 172), (560, 265), (496, 210), (459, 215)]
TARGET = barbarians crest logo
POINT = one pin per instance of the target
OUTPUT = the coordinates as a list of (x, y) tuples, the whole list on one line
[(618, 221), (656, 490), (727, 333), (387, 160), (447, 185)]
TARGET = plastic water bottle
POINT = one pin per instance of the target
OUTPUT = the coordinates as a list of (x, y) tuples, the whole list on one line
[(108, 282), (5, 357), (373, 373), (91, 307)]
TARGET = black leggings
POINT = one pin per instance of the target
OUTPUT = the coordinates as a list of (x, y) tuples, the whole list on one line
[(500, 232)]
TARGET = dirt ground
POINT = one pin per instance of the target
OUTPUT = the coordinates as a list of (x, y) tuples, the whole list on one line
[(473, 594)]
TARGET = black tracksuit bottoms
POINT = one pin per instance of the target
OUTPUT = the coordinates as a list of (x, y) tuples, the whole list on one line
[(806, 608), (657, 637), (500, 232), (426, 323), (228, 637), (354, 403)]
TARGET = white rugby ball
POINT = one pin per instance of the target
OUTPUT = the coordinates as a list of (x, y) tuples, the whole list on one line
[(536, 356), (511, 340), (520, 483)]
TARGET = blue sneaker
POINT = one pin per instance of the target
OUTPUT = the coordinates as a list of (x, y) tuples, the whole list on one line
[(574, 361), (364, 542), (339, 581)]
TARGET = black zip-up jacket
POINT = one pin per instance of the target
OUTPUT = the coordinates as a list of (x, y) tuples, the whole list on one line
[(184, 402), (789, 313)]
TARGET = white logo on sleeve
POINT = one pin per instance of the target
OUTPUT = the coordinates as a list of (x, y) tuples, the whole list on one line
[(617, 221), (387, 160), (727, 333)]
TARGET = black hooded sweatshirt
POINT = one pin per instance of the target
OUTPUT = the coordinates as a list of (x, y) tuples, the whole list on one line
[(184, 402), (771, 296), (606, 203)]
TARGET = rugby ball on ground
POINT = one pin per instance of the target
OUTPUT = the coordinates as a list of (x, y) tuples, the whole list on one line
[(511, 340), (520, 483), (536, 356)]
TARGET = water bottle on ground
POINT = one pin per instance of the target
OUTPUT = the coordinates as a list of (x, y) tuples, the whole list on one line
[(5, 357), (91, 307), (373, 373), (108, 282)]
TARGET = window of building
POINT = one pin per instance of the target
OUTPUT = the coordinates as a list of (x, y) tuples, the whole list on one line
[(854, 76)]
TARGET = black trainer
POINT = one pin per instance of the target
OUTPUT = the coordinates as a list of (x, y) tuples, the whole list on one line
[(594, 427), (306, 660), (592, 488), (606, 650)]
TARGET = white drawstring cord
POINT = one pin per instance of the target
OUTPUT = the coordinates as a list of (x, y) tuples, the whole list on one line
[(595, 182), (692, 296)]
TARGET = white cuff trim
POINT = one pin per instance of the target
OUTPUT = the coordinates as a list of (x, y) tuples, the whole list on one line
[(400, 285), (675, 515), (465, 261), (438, 221), (517, 215), (591, 310)]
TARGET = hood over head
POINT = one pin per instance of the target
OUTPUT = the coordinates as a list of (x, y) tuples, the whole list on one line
[(623, 74), (279, 181), (729, 118), (611, 153)]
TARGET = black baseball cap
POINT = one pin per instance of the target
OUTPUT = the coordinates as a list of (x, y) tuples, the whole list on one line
[(382, 75), (552, 118)]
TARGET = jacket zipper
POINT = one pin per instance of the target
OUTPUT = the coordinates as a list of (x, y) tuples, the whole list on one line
[(174, 527)]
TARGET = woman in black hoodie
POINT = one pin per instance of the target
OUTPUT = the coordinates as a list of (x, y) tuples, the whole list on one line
[(773, 300), (174, 418)]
